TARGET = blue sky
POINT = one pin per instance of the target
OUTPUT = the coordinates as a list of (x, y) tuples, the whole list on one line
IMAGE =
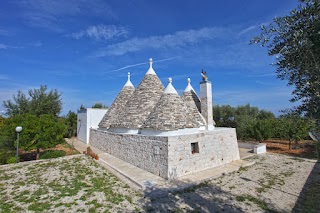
[(79, 47)]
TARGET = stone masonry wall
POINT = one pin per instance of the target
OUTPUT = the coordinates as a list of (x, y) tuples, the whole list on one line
[(216, 147), (170, 156), (146, 152)]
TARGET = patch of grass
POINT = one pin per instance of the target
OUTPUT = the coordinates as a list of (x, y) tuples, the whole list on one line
[(6, 206), (287, 173), (243, 169), (192, 189), (232, 187), (39, 207), (75, 175), (298, 159), (272, 180), (48, 154), (263, 205)]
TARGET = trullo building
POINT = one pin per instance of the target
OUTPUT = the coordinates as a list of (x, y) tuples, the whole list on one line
[(154, 128)]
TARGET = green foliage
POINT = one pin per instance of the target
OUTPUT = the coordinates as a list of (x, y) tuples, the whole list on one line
[(249, 121), (41, 132), (39, 102), (71, 123), (100, 106), (295, 41), (252, 123), (48, 154), (263, 129), (293, 128), (38, 133), (2, 119), (8, 138), (12, 160), (82, 107)]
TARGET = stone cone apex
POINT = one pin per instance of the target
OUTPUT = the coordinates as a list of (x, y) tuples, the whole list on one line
[(118, 106), (142, 101), (193, 103), (170, 113), (193, 97), (170, 88), (128, 84), (150, 70)]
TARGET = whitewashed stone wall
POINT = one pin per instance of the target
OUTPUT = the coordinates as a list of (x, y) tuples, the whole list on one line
[(216, 147), (170, 156), (146, 152)]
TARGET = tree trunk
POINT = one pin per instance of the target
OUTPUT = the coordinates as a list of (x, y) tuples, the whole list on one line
[(38, 154), (289, 143)]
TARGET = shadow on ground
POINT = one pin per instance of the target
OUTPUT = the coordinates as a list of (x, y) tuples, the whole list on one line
[(309, 197), (199, 198)]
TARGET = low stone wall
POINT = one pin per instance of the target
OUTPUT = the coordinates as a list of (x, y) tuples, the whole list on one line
[(258, 148), (216, 147), (146, 152), (171, 156)]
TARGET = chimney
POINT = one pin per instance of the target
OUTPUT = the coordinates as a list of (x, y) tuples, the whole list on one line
[(206, 101)]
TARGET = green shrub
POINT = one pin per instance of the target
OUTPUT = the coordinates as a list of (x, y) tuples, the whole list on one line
[(52, 154), (11, 160)]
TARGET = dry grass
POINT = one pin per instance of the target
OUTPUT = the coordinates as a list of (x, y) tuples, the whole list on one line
[(72, 184)]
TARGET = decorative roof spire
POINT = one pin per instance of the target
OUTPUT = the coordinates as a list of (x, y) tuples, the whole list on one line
[(170, 88), (128, 84), (189, 87), (150, 71)]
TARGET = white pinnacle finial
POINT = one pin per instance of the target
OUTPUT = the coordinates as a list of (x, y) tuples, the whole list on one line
[(128, 84), (150, 71), (150, 62), (170, 88), (189, 87)]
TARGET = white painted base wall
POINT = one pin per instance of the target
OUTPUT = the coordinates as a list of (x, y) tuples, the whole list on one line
[(86, 119)]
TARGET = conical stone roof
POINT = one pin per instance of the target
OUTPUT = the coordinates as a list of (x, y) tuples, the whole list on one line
[(170, 113), (192, 100), (118, 105), (142, 101)]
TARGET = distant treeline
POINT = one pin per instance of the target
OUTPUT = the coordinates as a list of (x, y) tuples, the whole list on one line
[(253, 123)]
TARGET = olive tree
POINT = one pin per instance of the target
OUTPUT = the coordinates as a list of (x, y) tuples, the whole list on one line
[(37, 102), (295, 41)]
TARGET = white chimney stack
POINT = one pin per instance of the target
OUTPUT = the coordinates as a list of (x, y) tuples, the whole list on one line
[(206, 101)]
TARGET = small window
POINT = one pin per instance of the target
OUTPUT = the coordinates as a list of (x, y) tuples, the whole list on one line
[(194, 148)]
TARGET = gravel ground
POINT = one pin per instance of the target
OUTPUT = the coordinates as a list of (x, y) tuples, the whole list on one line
[(276, 183)]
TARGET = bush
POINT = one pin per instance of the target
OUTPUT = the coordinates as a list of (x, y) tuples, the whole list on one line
[(12, 160), (52, 154)]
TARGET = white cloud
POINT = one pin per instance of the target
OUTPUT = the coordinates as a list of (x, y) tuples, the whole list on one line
[(36, 44), (4, 77), (3, 46), (105, 32), (176, 40), (247, 30), (47, 14), (4, 32)]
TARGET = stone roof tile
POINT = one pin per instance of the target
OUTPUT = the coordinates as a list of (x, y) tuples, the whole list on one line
[(170, 113), (142, 101), (118, 106), (192, 100)]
